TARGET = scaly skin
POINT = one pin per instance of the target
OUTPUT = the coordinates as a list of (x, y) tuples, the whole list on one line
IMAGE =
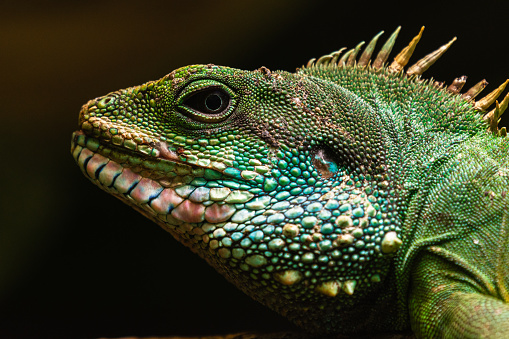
[(351, 198)]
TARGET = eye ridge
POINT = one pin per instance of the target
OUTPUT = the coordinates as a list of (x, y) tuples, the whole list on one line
[(209, 101)]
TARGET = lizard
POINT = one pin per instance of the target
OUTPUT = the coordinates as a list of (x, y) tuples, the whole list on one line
[(352, 196)]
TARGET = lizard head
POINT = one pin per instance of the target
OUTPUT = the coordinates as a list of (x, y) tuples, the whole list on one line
[(277, 183)]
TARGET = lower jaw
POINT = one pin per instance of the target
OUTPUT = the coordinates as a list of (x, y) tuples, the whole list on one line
[(183, 198)]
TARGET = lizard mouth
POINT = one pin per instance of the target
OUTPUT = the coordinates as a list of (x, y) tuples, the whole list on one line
[(102, 161), (156, 185)]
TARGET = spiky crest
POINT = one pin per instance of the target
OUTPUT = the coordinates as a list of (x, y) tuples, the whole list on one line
[(349, 59)]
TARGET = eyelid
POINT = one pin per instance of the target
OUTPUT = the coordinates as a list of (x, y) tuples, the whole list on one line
[(203, 84)]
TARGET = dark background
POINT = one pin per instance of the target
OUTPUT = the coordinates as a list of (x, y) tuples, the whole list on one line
[(77, 263)]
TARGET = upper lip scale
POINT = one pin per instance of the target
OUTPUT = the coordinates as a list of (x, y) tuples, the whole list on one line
[(165, 154)]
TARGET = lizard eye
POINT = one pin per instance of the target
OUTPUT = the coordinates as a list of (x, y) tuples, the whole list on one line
[(206, 101), (210, 101)]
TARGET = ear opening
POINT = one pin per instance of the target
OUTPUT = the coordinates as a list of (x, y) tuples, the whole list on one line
[(327, 162)]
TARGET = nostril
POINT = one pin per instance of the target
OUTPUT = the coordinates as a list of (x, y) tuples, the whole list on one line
[(104, 102)]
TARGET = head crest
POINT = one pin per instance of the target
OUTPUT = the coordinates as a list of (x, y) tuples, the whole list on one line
[(349, 59)]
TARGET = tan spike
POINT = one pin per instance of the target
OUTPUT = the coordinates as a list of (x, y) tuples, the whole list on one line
[(457, 84), (493, 117), (368, 51), (344, 58), (335, 56), (489, 99), (493, 120), (499, 109), (323, 60), (352, 58), (310, 63), (403, 57), (422, 65), (438, 84), (503, 105), (382, 56), (475, 90)]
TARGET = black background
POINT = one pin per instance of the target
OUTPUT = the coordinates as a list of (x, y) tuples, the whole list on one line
[(77, 263)]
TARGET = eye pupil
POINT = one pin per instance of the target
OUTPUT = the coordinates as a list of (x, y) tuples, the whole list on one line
[(213, 102)]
